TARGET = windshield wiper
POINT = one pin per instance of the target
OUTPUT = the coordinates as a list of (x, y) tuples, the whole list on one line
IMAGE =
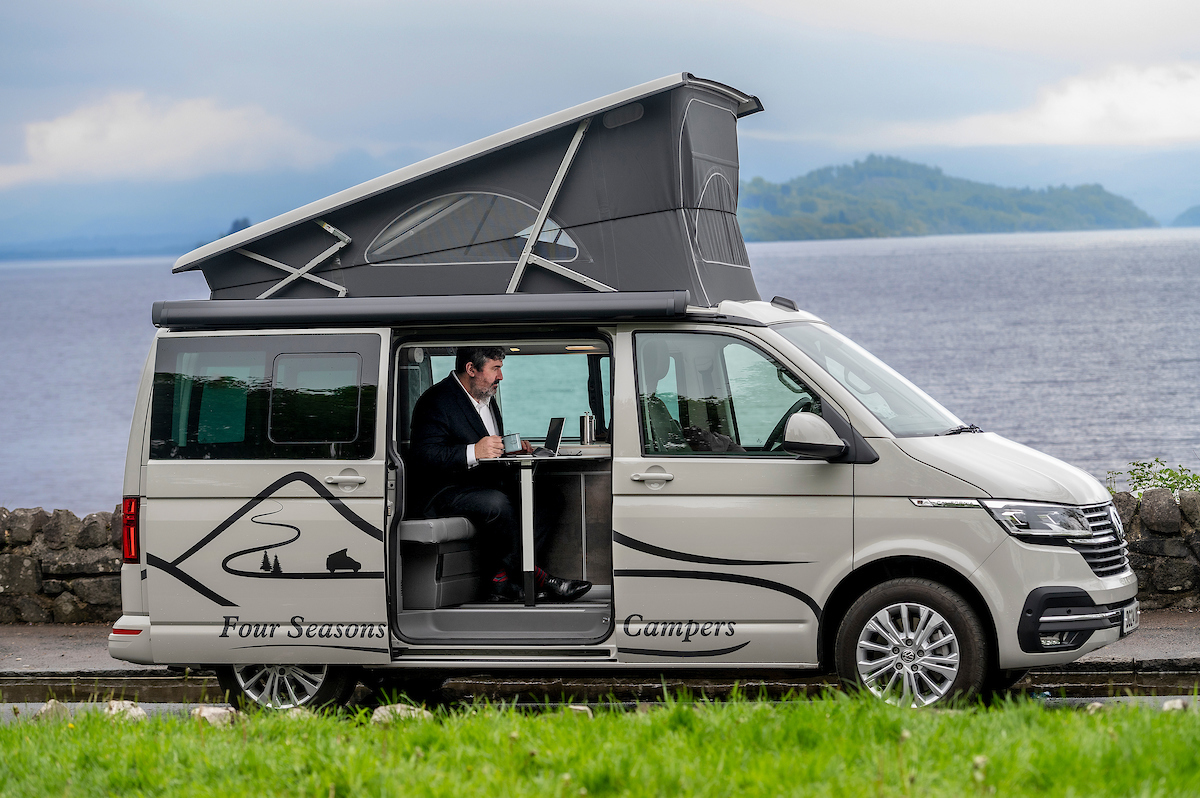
[(961, 429)]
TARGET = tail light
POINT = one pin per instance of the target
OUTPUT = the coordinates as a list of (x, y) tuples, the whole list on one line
[(131, 549)]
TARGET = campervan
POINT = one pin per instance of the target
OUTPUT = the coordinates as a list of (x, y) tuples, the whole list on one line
[(750, 491)]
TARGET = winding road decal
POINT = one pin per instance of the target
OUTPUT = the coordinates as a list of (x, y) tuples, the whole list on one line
[(272, 570)]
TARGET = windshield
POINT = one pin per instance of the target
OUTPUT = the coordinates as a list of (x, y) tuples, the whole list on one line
[(904, 408)]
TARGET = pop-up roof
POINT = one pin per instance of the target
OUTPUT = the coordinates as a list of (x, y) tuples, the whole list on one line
[(636, 191)]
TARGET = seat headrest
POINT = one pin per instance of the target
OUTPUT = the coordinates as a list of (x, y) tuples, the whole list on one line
[(655, 361)]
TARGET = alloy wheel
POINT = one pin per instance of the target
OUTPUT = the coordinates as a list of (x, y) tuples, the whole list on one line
[(908, 654), (281, 686)]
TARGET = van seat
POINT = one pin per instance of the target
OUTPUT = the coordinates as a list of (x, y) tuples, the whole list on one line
[(441, 564), (436, 530)]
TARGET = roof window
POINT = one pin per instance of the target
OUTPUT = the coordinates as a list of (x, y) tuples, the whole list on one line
[(468, 227)]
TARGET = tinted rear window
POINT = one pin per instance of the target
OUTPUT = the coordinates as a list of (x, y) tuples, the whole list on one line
[(265, 397)]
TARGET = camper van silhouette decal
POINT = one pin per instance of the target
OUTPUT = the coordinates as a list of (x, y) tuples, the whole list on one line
[(338, 565), (340, 560)]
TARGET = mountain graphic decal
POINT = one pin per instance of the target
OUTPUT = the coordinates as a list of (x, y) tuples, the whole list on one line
[(275, 555)]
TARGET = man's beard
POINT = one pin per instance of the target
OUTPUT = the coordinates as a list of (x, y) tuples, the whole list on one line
[(484, 393)]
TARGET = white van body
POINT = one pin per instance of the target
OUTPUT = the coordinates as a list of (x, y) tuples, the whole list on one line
[(763, 495)]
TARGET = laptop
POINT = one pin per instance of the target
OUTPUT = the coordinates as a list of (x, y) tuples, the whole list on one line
[(553, 438)]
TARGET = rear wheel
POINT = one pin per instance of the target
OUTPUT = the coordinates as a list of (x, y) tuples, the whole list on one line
[(912, 642), (391, 686), (288, 686)]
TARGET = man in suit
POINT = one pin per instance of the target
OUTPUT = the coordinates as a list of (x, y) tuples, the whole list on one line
[(456, 426)]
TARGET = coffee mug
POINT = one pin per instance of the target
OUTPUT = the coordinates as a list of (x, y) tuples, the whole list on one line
[(512, 443)]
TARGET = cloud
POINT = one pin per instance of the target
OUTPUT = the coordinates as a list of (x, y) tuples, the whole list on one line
[(1138, 106), (128, 137), (1094, 31)]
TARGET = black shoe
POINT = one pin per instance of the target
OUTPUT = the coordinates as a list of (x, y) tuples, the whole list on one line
[(506, 590), (554, 588)]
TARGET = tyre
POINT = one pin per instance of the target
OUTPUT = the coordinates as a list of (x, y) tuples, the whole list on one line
[(389, 686), (913, 642), (288, 686), (1002, 681)]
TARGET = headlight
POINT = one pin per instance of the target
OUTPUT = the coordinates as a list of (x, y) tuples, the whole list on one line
[(1040, 523)]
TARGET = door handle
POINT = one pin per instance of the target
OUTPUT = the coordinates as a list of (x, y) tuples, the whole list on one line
[(652, 477), (340, 480)]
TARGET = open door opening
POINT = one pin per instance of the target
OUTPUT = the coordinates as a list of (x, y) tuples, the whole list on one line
[(440, 565)]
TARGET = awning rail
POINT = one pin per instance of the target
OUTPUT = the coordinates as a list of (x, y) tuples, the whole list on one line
[(387, 311)]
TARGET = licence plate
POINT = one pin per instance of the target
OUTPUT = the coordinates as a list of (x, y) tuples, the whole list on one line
[(1129, 618)]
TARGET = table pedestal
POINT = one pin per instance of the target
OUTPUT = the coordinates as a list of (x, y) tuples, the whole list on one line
[(527, 552)]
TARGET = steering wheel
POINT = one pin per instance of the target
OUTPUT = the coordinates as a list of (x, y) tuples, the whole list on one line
[(774, 441)]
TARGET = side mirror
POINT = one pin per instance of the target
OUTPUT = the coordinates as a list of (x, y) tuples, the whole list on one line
[(809, 435)]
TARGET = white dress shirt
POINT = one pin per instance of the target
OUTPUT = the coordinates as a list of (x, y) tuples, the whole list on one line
[(484, 409)]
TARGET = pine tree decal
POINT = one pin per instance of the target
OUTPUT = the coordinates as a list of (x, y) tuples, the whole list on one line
[(266, 564), (275, 569)]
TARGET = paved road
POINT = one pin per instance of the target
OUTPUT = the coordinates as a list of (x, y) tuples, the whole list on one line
[(67, 661), (1166, 640)]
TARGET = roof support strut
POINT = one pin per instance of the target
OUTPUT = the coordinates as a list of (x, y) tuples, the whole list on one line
[(535, 232), (305, 270)]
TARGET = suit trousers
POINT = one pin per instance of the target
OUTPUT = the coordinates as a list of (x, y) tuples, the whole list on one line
[(497, 516)]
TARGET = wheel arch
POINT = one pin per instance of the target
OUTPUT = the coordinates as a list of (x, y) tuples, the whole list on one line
[(862, 579)]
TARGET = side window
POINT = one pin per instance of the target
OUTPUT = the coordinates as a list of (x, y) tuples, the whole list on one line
[(540, 383), (264, 397), (315, 398), (712, 394), (537, 388)]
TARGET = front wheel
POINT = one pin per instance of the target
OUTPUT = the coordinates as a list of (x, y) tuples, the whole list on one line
[(288, 686), (912, 642)]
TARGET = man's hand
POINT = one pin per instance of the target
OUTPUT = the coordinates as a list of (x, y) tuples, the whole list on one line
[(526, 448), (490, 447)]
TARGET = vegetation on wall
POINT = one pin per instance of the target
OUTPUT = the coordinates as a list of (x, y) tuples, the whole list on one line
[(886, 196), (1143, 475)]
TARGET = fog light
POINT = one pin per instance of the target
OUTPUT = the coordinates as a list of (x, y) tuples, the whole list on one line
[(1055, 640)]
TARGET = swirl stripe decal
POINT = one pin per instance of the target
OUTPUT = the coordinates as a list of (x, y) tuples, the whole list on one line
[(719, 577), (313, 645), (654, 652), (671, 554)]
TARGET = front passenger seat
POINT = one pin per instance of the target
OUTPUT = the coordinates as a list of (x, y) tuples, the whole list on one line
[(663, 433)]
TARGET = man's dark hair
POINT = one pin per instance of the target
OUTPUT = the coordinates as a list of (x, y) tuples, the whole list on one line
[(477, 356)]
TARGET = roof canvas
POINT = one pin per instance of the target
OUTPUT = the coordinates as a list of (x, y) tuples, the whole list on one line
[(635, 191)]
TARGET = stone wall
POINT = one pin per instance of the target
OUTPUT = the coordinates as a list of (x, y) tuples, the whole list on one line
[(1164, 546), (55, 567)]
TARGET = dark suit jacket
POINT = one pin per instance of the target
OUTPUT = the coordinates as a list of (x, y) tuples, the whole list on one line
[(444, 421)]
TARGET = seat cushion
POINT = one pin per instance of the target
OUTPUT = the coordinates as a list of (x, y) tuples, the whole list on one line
[(436, 530)]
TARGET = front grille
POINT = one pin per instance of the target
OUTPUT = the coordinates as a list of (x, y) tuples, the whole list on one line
[(1105, 550)]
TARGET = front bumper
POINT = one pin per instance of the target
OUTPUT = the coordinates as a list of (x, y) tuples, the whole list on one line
[(1018, 577), (1065, 619)]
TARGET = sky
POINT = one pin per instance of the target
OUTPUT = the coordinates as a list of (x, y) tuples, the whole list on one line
[(153, 125)]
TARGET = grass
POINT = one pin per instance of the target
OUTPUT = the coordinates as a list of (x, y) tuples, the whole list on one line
[(836, 745)]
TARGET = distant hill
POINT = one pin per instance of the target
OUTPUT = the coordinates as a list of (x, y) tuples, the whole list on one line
[(885, 196), (1189, 218)]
